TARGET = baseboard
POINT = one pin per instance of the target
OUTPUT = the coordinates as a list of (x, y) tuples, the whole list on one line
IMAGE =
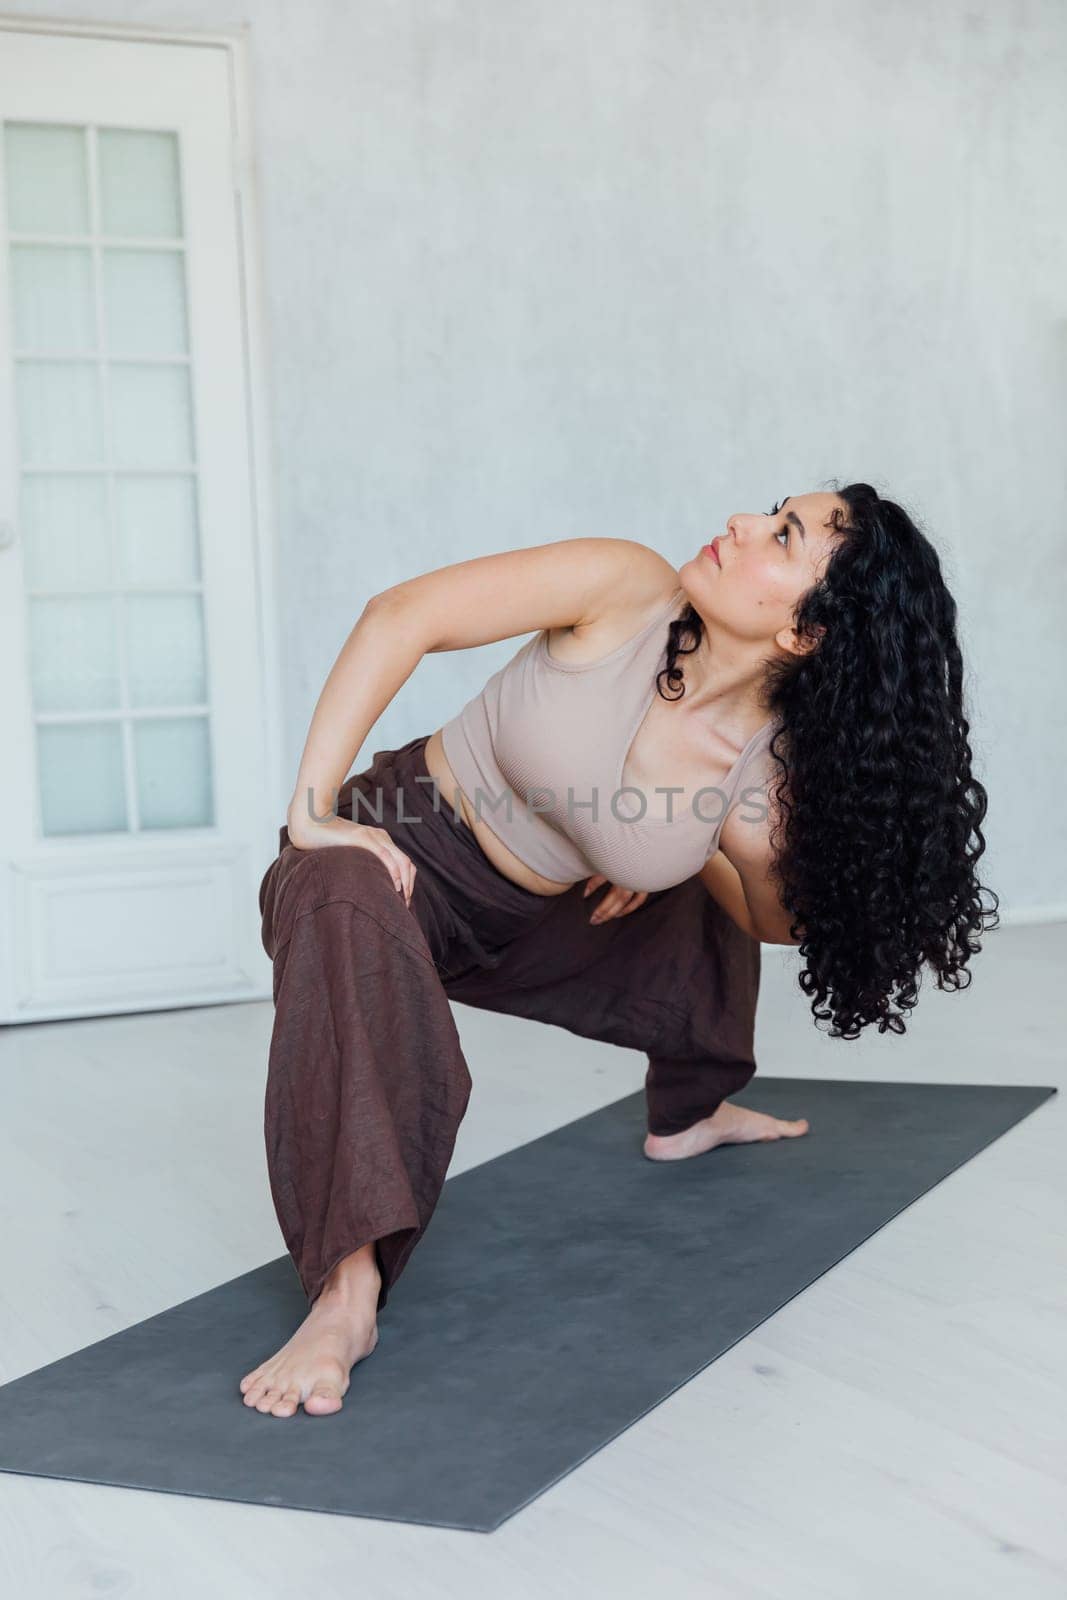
[(1014, 917), (1025, 916)]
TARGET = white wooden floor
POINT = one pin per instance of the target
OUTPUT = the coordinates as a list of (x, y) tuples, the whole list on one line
[(898, 1428)]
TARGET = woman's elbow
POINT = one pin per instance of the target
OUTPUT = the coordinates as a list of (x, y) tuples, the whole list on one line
[(779, 934)]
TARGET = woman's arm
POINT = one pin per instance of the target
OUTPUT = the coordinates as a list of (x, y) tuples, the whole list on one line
[(738, 876), (723, 883), (475, 602)]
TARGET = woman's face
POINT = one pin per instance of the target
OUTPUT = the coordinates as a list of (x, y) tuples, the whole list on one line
[(766, 562)]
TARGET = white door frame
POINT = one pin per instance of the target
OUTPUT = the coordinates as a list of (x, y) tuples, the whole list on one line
[(268, 789)]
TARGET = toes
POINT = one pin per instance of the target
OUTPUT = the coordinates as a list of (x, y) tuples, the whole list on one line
[(286, 1404), (323, 1399), (781, 1129), (264, 1396), (250, 1378)]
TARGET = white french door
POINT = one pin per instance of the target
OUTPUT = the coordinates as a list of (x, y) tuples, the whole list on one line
[(136, 811)]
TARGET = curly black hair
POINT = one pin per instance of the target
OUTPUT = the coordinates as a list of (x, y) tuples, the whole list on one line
[(876, 814)]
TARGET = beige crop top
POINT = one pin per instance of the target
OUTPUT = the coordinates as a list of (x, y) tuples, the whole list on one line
[(540, 754)]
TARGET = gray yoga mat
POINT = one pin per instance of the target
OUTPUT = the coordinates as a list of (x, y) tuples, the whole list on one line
[(561, 1291)]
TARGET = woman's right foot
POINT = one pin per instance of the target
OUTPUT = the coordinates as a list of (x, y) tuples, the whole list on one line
[(313, 1368), (728, 1124)]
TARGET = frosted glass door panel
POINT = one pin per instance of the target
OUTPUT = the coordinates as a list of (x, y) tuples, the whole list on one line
[(108, 490), (174, 772), (140, 188), (137, 576), (144, 302), (158, 537), (73, 654), (153, 416), (52, 298), (65, 537), (47, 172), (82, 785), (165, 650), (60, 413)]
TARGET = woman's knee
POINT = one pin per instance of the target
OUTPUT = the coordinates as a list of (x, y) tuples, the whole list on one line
[(301, 881), (298, 881)]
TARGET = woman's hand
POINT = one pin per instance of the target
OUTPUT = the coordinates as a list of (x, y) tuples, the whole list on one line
[(617, 902), (307, 834)]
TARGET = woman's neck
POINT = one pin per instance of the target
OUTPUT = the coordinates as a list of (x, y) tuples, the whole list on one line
[(722, 683)]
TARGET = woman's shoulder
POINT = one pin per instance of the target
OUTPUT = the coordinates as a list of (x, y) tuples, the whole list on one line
[(646, 588)]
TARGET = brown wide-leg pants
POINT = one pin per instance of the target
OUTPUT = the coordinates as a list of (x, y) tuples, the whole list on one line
[(366, 1080)]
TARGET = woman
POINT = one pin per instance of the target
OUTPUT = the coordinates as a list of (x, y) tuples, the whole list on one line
[(819, 703)]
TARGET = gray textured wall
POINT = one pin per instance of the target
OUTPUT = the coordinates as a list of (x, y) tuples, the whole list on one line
[(542, 268)]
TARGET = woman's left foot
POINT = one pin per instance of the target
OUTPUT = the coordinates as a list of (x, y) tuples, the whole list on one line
[(727, 1125)]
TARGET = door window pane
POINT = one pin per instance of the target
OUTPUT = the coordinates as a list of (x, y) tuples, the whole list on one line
[(52, 299), (80, 771), (152, 415), (139, 190), (73, 657), (165, 649), (173, 763), (60, 422), (64, 531), (144, 303), (158, 541), (47, 178)]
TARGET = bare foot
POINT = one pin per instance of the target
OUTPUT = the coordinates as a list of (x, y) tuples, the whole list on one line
[(727, 1125), (340, 1329)]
